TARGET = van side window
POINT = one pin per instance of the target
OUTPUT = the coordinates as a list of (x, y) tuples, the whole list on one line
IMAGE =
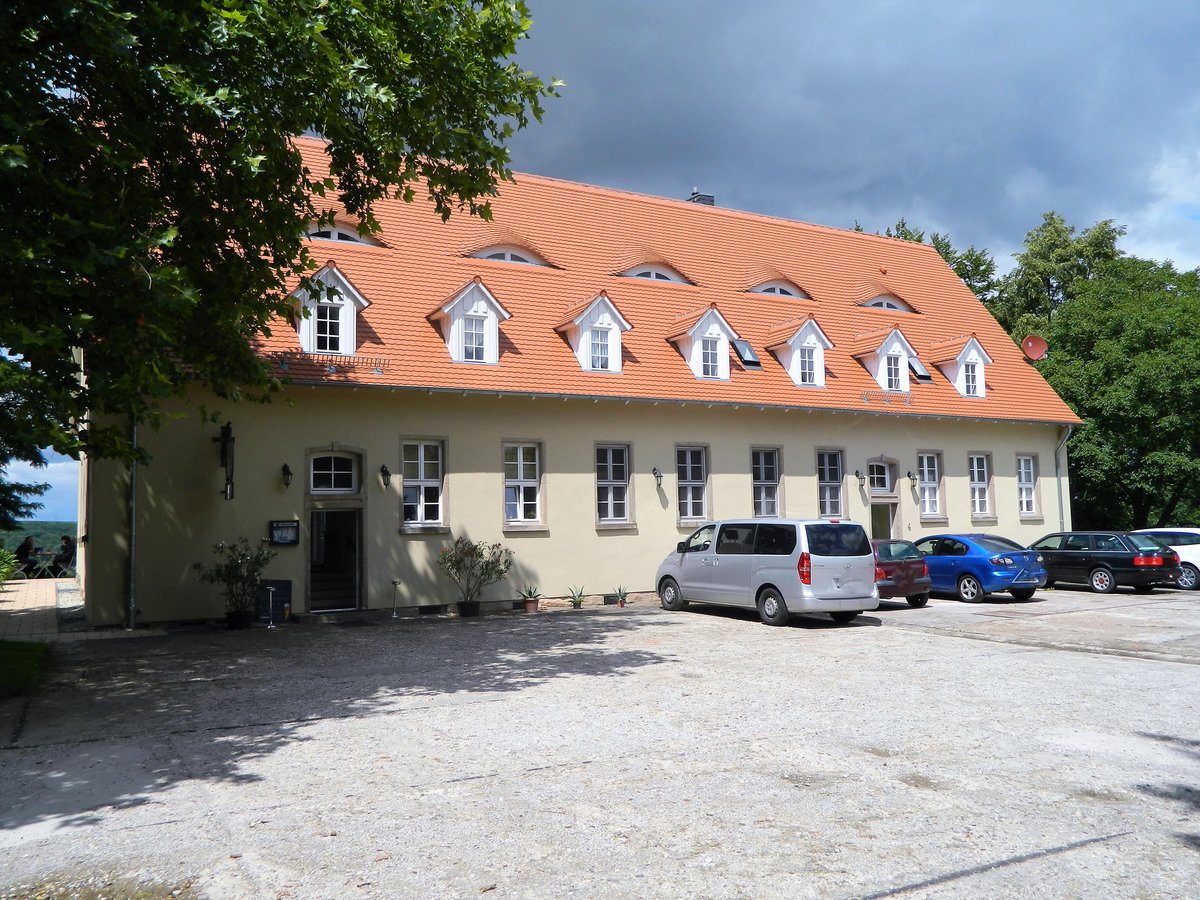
[(700, 539), (775, 540), (736, 539)]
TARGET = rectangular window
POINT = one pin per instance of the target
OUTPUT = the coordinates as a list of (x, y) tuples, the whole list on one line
[(978, 466), (612, 483), (522, 481), (421, 469), (893, 373), (808, 365), (600, 349), (929, 479), (764, 468), (691, 473), (328, 322), (829, 482), (708, 358), (1027, 485), (970, 381), (473, 337), (332, 473)]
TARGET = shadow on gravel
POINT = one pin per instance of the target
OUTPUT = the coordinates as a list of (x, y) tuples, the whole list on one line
[(1177, 793), (92, 737), (806, 621)]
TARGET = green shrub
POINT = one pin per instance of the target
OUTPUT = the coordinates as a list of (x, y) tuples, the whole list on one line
[(8, 564), (238, 570), (472, 566)]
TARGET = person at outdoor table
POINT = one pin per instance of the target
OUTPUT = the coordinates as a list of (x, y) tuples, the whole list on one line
[(25, 554), (65, 555)]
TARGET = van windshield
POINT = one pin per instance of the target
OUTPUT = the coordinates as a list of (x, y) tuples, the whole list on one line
[(842, 539)]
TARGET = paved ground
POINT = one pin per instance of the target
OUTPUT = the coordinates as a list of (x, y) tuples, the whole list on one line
[(1049, 748)]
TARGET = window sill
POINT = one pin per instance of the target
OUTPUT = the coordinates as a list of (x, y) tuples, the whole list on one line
[(942, 521), (984, 520), (1033, 518), (526, 527), (690, 525), (425, 529), (617, 526)]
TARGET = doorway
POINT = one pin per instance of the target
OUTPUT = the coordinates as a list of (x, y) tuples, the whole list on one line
[(882, 516), (334, 563)]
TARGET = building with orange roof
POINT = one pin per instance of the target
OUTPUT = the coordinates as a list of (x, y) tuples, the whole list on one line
[(586, 378)]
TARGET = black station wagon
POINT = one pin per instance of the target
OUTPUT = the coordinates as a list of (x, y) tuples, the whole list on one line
[(1105, 559)]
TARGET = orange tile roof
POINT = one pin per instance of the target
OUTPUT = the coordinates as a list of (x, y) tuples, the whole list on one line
[(588, 234)]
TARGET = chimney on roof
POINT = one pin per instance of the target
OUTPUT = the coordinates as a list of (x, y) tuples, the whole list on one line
[(702, 199)]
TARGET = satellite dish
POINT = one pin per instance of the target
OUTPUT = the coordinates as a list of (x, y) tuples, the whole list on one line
[(1035, 347)]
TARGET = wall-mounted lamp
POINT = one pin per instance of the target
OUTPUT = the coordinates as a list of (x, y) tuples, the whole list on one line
[(862, 479), (912, 479), (286, 472), (385, 475), (657, 476)]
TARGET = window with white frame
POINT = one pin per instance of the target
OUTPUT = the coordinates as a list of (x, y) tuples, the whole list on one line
[(327, 327), (829, 482), (654, 273), (333, 473), (1027, 485), (894, 366), (509, 254), (522, 483), (977, 464), (612, 483), (878, 478), (474, 337), (807, 359), (708, 357), (329, 311), (884, 301), (764, 468), (421, 469), (691, 475), (970, 380), (929, 480), (599, 348)]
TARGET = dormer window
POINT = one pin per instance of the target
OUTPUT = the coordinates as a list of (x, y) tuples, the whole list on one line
[(780, 288), (964, 362), (893, 372), (510, 254), (594, 329), (887, 301), (329, 322), (470, 325), (709, 347), (337, 232), (800, 346), (704, 342), (654, 273), (886, 355)]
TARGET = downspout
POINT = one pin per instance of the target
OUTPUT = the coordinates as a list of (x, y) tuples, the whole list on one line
[(131, 605), (1062, 522)]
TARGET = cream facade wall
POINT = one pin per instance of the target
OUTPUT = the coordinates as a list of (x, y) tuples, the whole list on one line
[(181, 510)]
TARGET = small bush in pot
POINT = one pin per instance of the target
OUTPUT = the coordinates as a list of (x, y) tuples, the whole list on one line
[(576, 597), (238, 570), (530, 596), (472, 566)]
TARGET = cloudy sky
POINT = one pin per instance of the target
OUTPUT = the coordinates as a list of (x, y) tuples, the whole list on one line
[(968, 118)]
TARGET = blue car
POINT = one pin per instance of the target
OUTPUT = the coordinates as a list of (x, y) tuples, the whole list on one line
[(972, 565)]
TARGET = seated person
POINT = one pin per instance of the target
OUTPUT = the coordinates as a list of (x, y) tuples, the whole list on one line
[(64, 559), (25, 556)]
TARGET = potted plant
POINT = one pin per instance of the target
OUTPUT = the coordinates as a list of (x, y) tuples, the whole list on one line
[(620, 594), (238, 570), (530, 596), (576, 597), (472, 566)]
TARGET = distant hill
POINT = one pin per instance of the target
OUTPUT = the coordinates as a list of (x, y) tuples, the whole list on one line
[(45, 534)]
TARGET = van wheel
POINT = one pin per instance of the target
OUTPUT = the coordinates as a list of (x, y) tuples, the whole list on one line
[(969, 589), (669, 596), (771, 608), (1102, 581), (1022, 593), (844, 616), (918, 600), (1188, 576)]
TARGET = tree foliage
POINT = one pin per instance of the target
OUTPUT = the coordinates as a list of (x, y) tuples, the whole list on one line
[(154, 205)]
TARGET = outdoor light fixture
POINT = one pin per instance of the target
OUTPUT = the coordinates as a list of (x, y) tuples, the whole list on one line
[(912, 479), (862, 479), (385, 475), (657, 476), (286, 472)]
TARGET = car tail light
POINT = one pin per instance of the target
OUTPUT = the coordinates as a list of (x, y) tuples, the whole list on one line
[(925, 567), (1001, 560), (1147, 559), (804, 568), (880, 575)]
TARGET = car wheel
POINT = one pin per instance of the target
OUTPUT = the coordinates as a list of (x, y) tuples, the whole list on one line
[(918, 600), (1022, 593), (844, 616), (771, 608), (1102, 581), (969, 589), (669, 596), (1188, 577)]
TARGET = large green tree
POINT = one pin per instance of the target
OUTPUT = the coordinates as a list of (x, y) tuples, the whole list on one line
[(154, 205), (1124, 356)]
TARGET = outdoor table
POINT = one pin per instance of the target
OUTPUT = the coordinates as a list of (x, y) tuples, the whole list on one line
[(43, 564)]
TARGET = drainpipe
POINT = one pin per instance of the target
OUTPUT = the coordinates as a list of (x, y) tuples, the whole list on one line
[(1062, 522), (131, 605)]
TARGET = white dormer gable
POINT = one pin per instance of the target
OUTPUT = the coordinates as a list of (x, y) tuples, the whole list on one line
[(966, 369), (329, 323), (705, 345), (470, 324), (594, 332), (802, 354), (888, 360)]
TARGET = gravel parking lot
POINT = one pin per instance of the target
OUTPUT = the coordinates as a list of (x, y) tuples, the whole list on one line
[(1048, 748)]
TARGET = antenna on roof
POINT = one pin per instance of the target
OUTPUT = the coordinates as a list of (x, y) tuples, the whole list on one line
[(1035, 347), (702, 199)]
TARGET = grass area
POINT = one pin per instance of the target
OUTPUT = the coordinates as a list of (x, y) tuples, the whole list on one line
[(21, 665)]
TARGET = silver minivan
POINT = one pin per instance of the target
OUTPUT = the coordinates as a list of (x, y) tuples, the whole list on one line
[(777, 566)]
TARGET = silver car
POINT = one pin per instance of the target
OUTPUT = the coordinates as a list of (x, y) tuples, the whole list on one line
[(777, 566)]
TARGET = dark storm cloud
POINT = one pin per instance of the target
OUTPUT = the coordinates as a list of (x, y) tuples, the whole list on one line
[(967, 118)]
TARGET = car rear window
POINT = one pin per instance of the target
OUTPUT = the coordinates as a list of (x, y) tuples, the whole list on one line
[(1145, 542), (775, 540), (896, 551), (999, 544), (841, 539)]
